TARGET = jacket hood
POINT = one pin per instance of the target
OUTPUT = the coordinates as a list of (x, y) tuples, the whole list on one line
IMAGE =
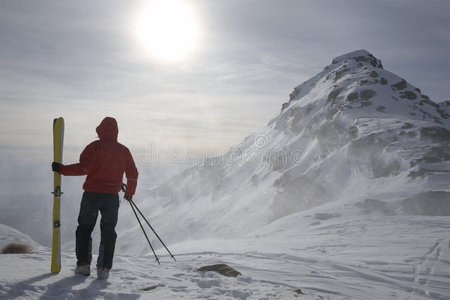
[(108, 129)]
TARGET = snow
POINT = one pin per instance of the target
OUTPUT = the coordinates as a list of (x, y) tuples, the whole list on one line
[(328, 255), (343, 195)]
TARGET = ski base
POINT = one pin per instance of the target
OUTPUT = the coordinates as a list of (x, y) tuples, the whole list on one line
[(58, 138)]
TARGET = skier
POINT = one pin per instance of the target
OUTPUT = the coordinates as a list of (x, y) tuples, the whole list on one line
[(104, 162)]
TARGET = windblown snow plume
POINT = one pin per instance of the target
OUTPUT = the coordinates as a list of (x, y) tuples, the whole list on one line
[(355, 133)]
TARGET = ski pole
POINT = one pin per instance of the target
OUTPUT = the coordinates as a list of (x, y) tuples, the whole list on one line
[(143, 230), (134, 206), (145, 219), (156, 257)]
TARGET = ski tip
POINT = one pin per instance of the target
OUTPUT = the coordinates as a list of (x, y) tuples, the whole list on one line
[(56, 119)]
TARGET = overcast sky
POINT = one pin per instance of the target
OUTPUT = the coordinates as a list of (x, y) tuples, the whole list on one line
[(82, 60)]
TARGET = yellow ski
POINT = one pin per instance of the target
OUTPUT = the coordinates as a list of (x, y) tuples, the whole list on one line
[(58, 138)]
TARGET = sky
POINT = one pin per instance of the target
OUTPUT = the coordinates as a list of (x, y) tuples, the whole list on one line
[(223, 71)]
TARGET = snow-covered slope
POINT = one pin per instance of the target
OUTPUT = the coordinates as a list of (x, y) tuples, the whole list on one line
[(326, 255), (354, 133)]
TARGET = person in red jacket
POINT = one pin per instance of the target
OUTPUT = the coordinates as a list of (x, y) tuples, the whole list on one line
[(104, 162)]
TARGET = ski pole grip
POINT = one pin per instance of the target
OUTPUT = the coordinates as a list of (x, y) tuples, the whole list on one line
[(124, 187)]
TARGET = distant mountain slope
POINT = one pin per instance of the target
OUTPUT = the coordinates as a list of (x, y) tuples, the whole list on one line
[(353, 132)]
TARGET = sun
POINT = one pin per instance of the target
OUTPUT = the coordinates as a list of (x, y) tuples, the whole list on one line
[(167, 29)]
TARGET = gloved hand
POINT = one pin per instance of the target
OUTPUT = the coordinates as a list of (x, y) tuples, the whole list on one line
[(56, 167), (129, 198)]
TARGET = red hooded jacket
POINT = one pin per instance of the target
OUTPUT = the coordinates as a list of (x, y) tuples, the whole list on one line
[(104, 162)]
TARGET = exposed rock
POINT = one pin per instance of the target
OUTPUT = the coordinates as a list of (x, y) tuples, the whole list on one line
[(433, 154), (399, 85), (360, 56), (431, 203), (444, 109), (373, 205), (352, 96), (407, 125), (222, 269), (149, 288), (294, 94), (367, 94), (353, 132), (15, 248), (428, 102), (370, 59), (325, 216), (339, 73), (445, 105), (284, 106), (435, 133), (333, 95), (408, 95), (381, 168), (373, 74), (298, 291)]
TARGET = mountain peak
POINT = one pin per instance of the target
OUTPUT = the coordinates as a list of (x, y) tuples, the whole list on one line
[(354, 134), (359, 56), (357, 84)]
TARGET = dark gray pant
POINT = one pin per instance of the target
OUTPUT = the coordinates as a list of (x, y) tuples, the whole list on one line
[(91, 204)]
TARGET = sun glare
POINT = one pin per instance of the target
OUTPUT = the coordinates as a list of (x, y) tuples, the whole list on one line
[(167, 29)]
